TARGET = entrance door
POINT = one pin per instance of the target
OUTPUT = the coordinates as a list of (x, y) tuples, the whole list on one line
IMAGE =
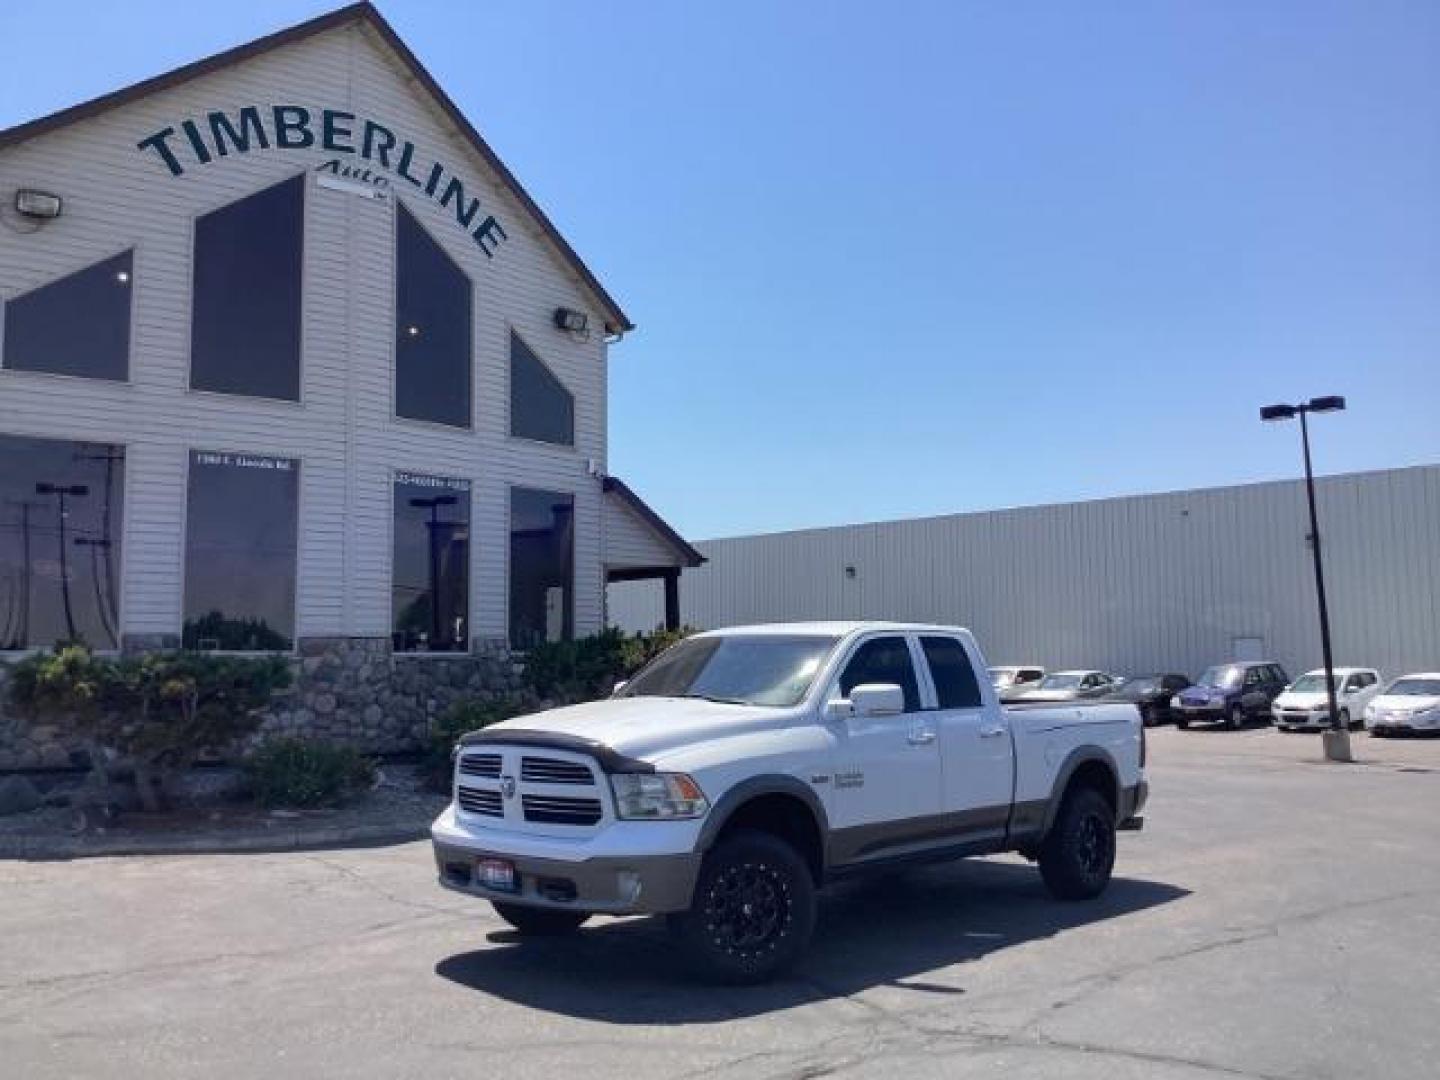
[(1248, 649)]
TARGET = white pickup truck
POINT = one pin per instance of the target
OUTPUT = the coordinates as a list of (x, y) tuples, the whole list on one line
[(743, 769)]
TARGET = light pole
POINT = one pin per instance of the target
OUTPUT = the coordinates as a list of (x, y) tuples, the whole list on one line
[(1337, 739), (434, 525)]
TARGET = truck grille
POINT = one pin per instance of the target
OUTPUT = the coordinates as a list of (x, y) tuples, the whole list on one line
[(560, 810), (475, 801), (547, 791), (484, 765), (547, 770)]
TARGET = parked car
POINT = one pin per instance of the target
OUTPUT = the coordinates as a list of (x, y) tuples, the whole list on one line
[(1306, 706), (1410, 703), (743, 769), (1151, 694), (1011, 681), (1068, 686), (1231, 694)]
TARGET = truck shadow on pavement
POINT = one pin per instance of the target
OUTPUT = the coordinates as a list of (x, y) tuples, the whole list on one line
[(888, 930)]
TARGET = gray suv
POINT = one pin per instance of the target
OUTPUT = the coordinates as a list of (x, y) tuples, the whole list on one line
[(1230, 694)]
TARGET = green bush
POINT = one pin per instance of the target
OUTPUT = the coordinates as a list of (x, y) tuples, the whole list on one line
[(589, 667), (436, 762), (158, 712), (297, 773)]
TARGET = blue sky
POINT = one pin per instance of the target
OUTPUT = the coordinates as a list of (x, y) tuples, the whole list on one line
[(892, 259)]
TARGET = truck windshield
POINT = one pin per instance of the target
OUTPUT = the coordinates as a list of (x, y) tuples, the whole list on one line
[(743, 669)]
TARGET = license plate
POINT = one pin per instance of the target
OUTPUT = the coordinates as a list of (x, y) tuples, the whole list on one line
[(496, 874)]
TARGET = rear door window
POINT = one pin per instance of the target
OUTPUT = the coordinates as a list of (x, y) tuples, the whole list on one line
[(955, 684)]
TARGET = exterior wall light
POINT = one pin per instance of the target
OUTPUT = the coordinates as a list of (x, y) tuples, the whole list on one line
[(37, 204), (569, 319)]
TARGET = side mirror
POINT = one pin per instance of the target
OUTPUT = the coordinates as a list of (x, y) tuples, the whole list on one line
[(877, 699), (619, 686)]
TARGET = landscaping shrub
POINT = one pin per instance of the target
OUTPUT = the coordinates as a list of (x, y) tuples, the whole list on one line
[(299, 773), (158, 713), (589, 667), (436, 762)]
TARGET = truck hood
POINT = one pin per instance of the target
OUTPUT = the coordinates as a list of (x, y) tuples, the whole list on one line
[(643, 727)]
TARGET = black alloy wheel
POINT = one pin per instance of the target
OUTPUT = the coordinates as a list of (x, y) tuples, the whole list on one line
[(753, 909), (1078, 854)]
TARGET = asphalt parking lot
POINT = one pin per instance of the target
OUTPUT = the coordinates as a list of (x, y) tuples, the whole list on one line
[(1278, 917)]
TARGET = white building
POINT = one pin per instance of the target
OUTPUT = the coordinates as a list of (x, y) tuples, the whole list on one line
[(1169, 582), (290, 361)]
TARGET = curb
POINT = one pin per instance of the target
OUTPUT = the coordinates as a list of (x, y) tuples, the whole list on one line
[(38, 848)]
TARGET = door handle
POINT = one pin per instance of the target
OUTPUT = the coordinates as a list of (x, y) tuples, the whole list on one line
[(921, 738), (991, 732)]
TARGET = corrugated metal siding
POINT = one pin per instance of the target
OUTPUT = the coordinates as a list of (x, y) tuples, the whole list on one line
[(343, 430), (1155, 582)]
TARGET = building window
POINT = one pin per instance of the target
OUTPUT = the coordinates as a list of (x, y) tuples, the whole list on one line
[(60, 516), (245, 321), (432, 329), (240, 552), (540, 406), (542, 567), (430, 579), (78, 325)]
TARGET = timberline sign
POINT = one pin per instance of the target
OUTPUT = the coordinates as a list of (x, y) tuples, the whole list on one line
[(295, 127)]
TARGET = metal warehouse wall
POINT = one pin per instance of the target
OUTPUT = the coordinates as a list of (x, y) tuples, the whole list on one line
[(1153, 582)]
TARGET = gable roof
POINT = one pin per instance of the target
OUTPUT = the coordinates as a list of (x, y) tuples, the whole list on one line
[(687, 555), (366, 13)]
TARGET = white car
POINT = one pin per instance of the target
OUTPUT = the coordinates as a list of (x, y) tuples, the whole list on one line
[(1304, 704), (743, 769), (1410, 703)]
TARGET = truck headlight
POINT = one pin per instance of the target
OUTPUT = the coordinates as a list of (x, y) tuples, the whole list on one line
[(657, 796)]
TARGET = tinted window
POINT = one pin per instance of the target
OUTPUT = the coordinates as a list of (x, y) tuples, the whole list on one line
[(245, 325), (540, 406), (954, 678), (430, 579), (60, 513), (883, 660), (78, 325), (542, 566), (240, 552), (432, 329)]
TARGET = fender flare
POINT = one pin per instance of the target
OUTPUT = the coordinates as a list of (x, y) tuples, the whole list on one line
[(1081, 755), (753, 787)]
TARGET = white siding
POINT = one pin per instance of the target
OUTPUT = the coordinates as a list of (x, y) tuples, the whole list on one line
[(630, 542), (343, 430), (1155, 582)]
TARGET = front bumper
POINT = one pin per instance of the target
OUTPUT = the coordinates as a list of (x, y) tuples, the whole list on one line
[(1207, 711), (570, 880), (1424, 721), (1303, 721)]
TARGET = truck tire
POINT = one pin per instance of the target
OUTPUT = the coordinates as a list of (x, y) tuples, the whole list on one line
[(540, 922), (753, 910), (1078, 854), (1182, 723)]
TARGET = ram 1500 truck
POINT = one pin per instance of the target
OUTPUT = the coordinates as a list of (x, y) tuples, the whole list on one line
[(743, 769)]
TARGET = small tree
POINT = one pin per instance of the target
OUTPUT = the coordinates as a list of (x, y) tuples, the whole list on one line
[(158, 712)]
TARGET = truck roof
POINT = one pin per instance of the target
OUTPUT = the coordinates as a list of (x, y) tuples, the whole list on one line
[(836, 628)]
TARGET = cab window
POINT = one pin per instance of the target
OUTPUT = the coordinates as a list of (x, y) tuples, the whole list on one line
[(950, 669), (883, 660)]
